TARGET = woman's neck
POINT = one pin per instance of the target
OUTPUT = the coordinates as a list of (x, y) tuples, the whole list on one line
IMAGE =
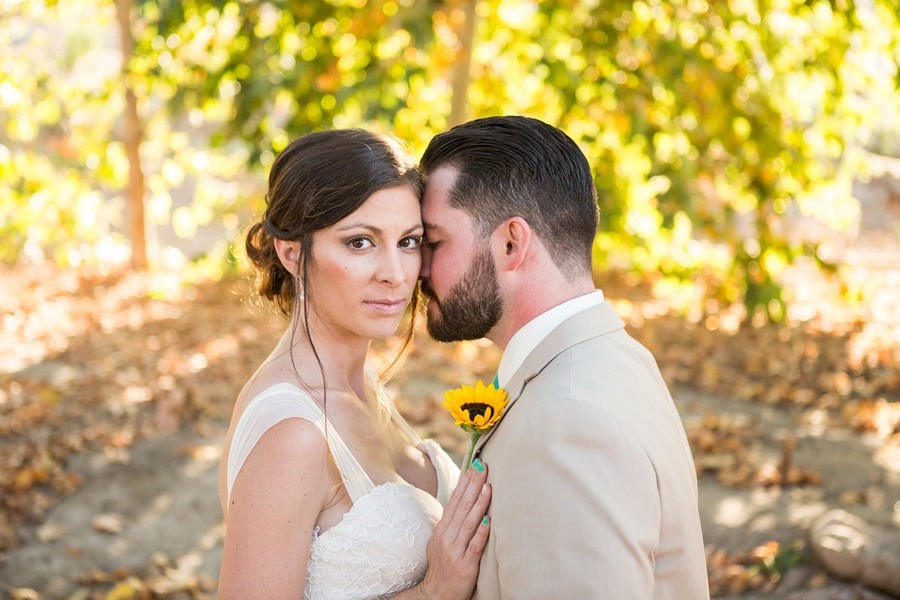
[(343, 360)]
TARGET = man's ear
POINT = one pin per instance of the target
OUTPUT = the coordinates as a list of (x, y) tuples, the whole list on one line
[(289, 254), (512, 240)]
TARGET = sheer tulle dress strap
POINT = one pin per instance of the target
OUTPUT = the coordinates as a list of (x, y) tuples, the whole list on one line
[(446, 470), (285, 401)]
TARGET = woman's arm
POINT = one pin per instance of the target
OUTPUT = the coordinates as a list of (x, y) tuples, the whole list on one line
[(454, 551), (274, 504)]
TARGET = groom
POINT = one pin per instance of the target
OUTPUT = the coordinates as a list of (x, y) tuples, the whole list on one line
[(594, 488)]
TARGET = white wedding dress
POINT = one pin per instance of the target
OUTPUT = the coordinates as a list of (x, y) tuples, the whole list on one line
[(378, 548)]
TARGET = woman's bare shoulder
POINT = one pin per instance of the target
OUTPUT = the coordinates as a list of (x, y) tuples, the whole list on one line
[(291, 452)]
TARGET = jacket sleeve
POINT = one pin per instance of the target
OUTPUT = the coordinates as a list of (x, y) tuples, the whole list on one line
[(575, 509)]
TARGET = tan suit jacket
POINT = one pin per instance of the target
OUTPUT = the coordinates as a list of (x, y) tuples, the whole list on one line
[(594, 488)]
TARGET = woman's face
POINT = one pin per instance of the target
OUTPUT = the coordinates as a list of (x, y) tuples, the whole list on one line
[(364, 268)]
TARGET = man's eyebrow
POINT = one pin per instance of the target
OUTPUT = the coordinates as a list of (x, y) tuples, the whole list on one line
[(429, 225)]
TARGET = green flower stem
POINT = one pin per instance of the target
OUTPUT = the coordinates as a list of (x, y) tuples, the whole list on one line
[(468, 460)]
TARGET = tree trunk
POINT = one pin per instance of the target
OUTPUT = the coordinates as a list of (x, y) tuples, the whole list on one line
[(462, 67), (132, 136)]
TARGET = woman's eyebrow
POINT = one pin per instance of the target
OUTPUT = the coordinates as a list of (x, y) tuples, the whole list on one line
[(375, 230)]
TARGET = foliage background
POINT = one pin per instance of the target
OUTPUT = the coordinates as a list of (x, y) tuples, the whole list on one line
[(730, 141), (724, 136)]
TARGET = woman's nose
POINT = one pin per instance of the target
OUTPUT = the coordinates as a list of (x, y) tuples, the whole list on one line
[(391, 268)]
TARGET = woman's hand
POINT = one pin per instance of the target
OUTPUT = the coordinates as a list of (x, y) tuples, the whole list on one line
[(454, 551)]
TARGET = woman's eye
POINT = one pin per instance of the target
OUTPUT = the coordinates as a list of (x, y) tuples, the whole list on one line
[(360, 243), (411, 242)]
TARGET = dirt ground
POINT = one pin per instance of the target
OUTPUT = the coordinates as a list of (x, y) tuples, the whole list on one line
[(161, 507), (115, 398)]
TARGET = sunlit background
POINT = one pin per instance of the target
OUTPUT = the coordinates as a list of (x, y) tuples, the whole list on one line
[(747, 159), (725, 137)]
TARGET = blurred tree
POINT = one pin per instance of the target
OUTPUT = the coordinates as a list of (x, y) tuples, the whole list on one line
[(132, 137), (462, 67), (715, 129), (58, 169), (281, 68)]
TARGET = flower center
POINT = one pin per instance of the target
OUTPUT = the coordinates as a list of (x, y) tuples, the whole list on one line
[(476, 409)]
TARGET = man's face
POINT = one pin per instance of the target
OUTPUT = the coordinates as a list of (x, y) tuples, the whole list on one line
[(458, 275)]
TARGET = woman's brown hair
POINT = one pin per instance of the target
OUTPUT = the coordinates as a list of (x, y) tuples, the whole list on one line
[(317, 180)]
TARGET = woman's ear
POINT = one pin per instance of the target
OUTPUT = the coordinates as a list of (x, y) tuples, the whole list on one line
[(512, 240), (289, 254)]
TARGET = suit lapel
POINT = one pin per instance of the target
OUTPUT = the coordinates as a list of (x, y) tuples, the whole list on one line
[(593, 322)]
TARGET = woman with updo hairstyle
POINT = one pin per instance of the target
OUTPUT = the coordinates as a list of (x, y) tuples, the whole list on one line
[(327, 491)]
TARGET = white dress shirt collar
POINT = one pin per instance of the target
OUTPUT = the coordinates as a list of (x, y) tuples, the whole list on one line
[(534, 331)]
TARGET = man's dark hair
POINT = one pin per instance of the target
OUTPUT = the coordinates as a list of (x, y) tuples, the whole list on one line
[(514, 166)]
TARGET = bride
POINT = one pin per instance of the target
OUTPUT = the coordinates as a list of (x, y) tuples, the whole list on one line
[(327, 491)]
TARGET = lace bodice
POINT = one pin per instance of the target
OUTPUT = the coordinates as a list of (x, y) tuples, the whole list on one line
[(378, 547)]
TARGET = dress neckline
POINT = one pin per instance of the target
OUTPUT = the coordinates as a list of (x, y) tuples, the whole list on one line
[(374, 493), (355, 478)]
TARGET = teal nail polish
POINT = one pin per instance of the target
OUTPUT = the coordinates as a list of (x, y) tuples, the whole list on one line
[(484, 521), (478, 465)]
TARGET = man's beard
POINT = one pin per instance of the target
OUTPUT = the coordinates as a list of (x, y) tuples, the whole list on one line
[(471, 308)]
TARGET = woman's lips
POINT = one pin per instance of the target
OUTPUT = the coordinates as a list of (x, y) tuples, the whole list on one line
[(388, 307)]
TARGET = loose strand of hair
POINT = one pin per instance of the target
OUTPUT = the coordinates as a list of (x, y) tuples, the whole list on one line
[(399, 358), (303, 306)]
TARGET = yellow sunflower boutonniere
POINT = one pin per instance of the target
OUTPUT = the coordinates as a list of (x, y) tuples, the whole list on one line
[(476, 410)]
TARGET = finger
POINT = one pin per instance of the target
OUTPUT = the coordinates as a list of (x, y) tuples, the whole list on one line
[(474, 519), (452, 506), (479, 541), (467, 500), (480, 508), (465, 479)]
